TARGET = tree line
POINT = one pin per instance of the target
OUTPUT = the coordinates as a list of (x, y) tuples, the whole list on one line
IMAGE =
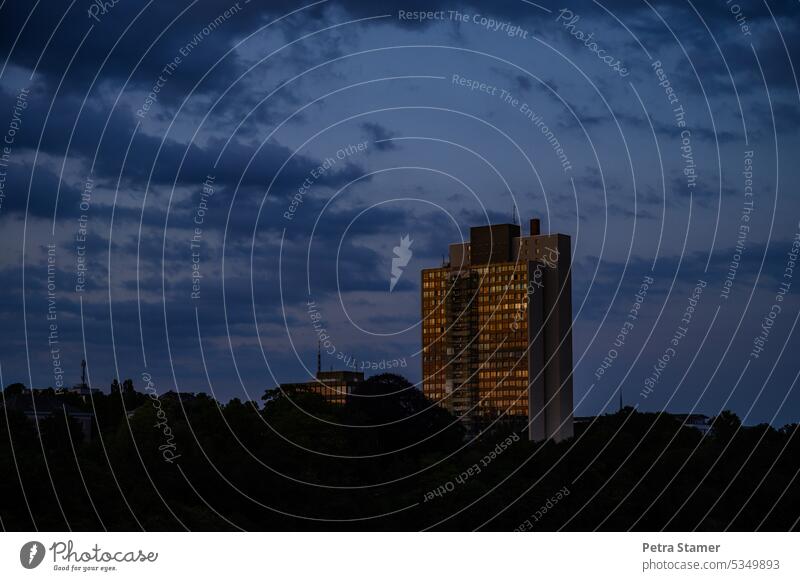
[(387, 460)]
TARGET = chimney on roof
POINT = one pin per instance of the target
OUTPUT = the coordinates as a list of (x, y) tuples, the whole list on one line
[(535, 226)]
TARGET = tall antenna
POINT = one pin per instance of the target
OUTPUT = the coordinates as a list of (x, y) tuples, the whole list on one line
[(83, 371), (319, 357)]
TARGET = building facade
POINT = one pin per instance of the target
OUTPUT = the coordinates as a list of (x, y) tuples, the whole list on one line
[(334, 386), (497, 330)]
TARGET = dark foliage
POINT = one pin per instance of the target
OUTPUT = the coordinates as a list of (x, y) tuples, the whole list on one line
[(388, 460)]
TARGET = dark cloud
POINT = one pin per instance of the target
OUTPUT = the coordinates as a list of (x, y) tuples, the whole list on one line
[(41, 203)]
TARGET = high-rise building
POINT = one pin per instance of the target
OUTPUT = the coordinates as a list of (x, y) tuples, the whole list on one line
[(497, 330)]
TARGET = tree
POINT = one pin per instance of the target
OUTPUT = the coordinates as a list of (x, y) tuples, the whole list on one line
[(14, 389), (386, 398), (726, 424), (400, 415)]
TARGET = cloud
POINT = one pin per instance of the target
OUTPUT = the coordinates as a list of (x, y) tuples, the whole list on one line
[(380, 135), (43, 188)]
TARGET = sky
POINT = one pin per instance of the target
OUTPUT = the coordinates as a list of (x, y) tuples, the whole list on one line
[(201, 191)]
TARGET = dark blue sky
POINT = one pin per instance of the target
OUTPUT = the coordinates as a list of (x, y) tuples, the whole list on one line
[(364, 124)]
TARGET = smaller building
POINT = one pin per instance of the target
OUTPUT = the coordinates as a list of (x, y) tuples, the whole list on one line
[(334, 386), (697, 421), (37, 405)]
